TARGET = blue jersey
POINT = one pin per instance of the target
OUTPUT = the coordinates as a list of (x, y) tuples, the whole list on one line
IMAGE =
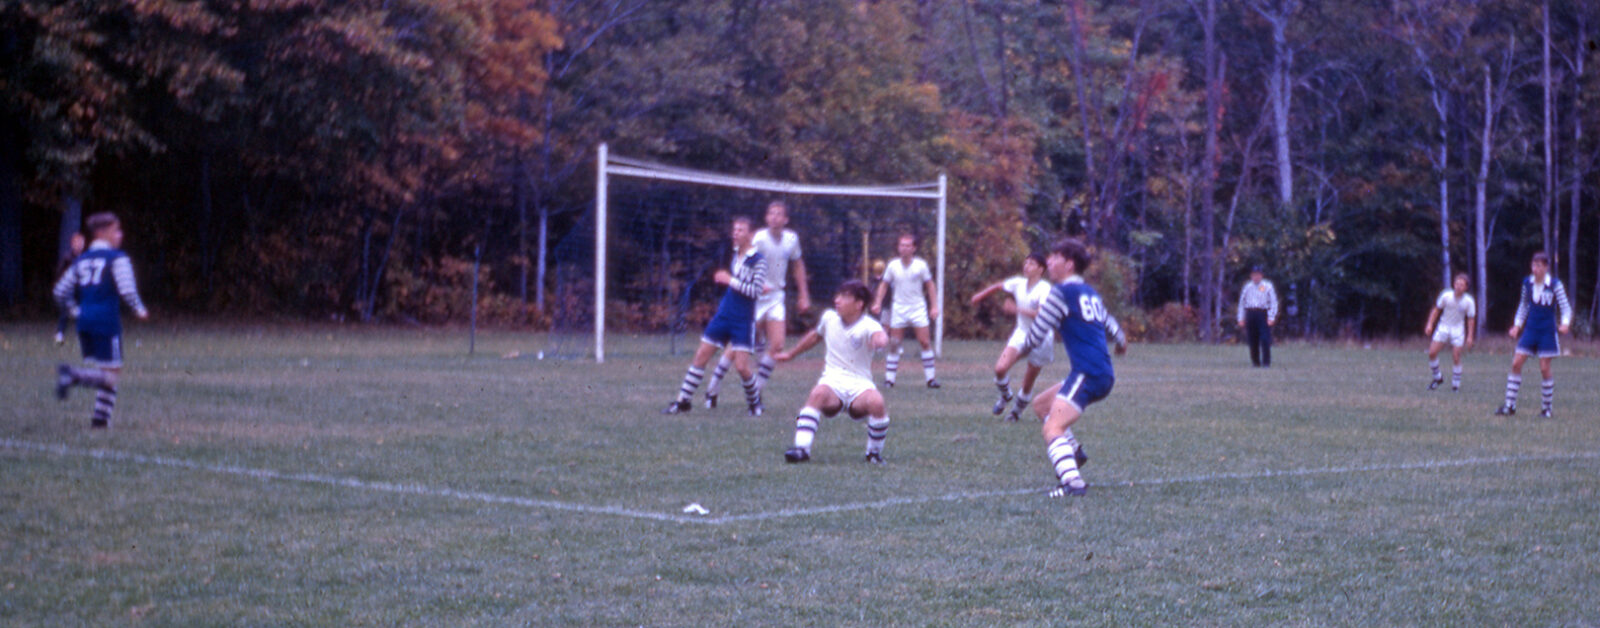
[(93, 287), (749, 270), (1537, 311), (1075, 312)]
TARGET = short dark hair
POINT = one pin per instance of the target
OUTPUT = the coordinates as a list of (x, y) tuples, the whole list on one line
[(1073, 249), (778, 202), (99, 221), (907, 234), (855, 289), (744, 219), (1038, 258), (1542, 257), (1462, 276)]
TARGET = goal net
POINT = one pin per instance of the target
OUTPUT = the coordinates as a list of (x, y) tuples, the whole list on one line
[(634, 276)]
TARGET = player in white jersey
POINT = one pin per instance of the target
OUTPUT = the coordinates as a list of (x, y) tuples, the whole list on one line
[(852, 337), (781, 248), (909, 277), (1028, 292), (1454, 313)]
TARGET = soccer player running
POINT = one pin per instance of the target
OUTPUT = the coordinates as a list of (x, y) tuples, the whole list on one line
[(92, 290), (1538, 332), (910, 278), (733, 326), (1454, 312), (781, 248), (1028, 292), (846, 382), (1075, 313)]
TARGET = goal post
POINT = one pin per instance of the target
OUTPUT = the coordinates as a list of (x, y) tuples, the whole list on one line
[(610, 167)]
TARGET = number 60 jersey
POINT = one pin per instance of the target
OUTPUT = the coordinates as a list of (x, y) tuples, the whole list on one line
[(1075, 312)]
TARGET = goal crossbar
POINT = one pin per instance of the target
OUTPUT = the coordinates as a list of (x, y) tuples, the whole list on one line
[(608, 165)]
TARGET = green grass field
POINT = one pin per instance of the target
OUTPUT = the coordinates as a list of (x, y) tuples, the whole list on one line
[(334, 476)]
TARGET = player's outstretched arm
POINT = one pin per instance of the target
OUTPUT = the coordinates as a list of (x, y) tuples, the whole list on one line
[(1115, 330), (933, 298), (63, 292), (806, 343), (984, 293), (1472, 326), (1433, 317)]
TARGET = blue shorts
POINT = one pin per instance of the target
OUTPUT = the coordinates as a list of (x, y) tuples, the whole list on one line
[(1542, 343), (731, 333), (104, 350), (1081, 390)]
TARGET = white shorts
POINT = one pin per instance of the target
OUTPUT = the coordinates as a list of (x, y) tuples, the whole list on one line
[(770, 307), (1042, 355), (1456, 336), (846, 387), (913, 316)]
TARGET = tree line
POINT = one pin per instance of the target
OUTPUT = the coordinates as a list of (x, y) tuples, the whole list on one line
[(375, 159)]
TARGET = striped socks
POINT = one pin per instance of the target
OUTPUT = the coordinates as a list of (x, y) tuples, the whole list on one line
[(691, 381), (805, 427), (927, 364), (1513, 386), (877, 431), (1061, 452)]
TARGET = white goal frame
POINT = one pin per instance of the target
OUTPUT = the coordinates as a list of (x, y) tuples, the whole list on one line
[(607, 166)]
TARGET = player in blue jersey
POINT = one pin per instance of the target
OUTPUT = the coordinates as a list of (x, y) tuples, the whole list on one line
[(1538, 329), (1075, 313), (92, 290), (733, 326)]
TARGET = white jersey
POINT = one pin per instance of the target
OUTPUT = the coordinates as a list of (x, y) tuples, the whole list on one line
[(1453, 312), (779, 252), (849, 348), (1030, 298), (906, 283)]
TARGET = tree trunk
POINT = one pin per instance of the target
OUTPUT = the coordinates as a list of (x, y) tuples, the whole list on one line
[(1281, 86), (71, 222), (10, 219), (519, 191), (1481, 198), (1441, 169), (544, 248), (1578, 173), (1210, 299), (1080, 84), (1546, 204)]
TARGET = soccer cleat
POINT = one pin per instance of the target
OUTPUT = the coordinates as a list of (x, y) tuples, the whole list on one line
[(1505, 410), (889, 383), (1435, 383), (99, 424), (757, 409), (1014, 414), (796, 454), (1000, 405), (678, 407), (1067, 490), (1544, 413), (711, 400), (1454, 388), (60, 339), (63, 381), (933, 383), (873, 458)]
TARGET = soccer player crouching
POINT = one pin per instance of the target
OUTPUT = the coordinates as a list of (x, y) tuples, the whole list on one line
[(733, 326), (1538, 332), (91, 290), (909, 277), (1454, 312), (846, 382), (1075, 313), (1028, 291)]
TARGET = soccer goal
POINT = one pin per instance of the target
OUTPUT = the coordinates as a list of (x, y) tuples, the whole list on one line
[(635, 273)]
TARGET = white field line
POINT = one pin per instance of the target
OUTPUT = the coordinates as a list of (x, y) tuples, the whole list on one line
[(542, 504)]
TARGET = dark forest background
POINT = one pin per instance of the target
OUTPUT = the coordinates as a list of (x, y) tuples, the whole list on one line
[(361, 160)]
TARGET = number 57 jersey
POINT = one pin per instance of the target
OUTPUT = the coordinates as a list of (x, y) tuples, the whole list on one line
[(1078, 316)]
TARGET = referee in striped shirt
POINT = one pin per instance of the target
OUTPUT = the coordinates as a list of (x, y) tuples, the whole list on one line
[(1258, 311)]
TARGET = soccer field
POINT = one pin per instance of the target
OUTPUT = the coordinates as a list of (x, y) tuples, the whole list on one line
[(332, 476)]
